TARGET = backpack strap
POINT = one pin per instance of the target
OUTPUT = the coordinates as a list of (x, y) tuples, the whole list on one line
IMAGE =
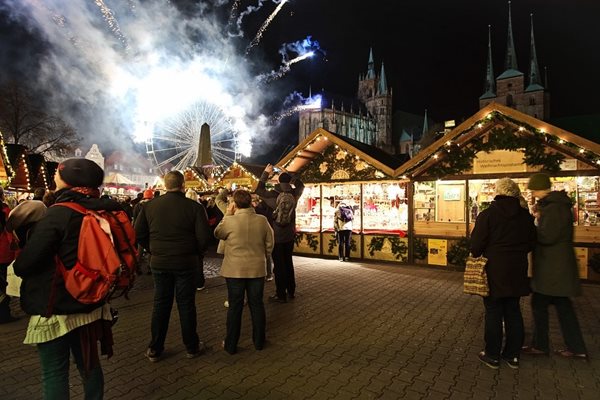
[(73, 206), (60, 267)]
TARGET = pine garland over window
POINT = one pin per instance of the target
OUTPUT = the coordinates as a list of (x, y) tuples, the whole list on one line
[(460, 159), (336, 164)]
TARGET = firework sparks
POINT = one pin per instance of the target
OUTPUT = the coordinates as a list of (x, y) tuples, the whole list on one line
[(110, 19), (264, 26), (295, 103), (304, 48), (234, 10)]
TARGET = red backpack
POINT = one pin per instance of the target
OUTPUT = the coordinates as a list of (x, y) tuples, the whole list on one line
[(106, 256)]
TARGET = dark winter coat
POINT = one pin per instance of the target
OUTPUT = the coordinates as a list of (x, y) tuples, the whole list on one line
[(56, 233), (554, 264), (175, 230), (287, 233), (504, 233)]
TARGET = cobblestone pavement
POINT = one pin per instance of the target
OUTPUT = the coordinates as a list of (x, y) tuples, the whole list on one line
[(354, 331)]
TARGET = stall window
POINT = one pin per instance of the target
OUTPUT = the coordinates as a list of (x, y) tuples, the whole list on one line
[(424, 201), (385, 207), (588, 201), (332, 195), (308, 209)]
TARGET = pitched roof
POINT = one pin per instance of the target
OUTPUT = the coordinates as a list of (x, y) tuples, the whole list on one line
[(480, 123), (318, 141)]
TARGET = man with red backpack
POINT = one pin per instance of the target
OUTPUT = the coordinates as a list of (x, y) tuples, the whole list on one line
[(60, 324)]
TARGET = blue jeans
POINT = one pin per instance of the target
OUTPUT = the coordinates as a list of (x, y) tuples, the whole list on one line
[(344, 243), (285, 281), (236, 288), (497, 310), (54, 360), (182, 286)]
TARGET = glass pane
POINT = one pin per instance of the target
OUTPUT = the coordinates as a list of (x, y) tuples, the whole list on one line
[(308, 209), (385, 207)]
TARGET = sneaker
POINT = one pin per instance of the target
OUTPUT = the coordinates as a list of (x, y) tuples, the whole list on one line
[(512, 362), (489, 361), (226, 304), (195, 353), (152, 355), (200, 288), (341, 258), (269, 278)]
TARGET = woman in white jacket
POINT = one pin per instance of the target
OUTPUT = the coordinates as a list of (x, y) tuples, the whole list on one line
[(248, 241)]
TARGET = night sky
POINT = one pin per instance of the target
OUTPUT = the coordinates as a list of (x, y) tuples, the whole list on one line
[(434, 50)]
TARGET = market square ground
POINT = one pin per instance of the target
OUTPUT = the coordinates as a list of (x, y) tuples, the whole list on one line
[(354, 331)]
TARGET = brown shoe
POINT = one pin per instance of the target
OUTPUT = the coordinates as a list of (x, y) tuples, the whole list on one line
[(570, 354), (532, 351)]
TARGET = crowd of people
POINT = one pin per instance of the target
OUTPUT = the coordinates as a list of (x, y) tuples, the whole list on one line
[(175, 228)]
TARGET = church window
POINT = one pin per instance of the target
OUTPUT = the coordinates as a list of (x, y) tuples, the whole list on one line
[(532, 101), (510, 86), (509, 100)]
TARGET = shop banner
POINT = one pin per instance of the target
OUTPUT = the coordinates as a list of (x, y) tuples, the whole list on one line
[(438, 248), (499, 161), (581, 253)]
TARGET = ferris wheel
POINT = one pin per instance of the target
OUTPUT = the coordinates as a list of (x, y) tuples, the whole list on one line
[(174, 143)]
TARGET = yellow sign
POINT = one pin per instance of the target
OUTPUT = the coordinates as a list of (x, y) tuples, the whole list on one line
[(438, 248), (498, 161), (581, 253)]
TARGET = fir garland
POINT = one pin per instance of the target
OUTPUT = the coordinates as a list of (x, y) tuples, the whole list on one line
[(334, 243), (458, 252), (323, 167), (311, 239), (420, 248), (457, 160), (531, 142), (398, 247)]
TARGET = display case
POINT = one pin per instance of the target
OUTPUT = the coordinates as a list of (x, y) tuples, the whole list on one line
[(385, 207), (332, 195), (308, 209), (424, 201), (588, 204)]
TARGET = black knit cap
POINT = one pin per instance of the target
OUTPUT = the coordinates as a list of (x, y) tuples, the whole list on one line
[(284, 177), (81, 172)]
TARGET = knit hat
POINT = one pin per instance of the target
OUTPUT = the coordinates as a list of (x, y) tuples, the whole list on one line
[(507, 187), (284, 177), (148, 194), (539, 181), (81, 172)]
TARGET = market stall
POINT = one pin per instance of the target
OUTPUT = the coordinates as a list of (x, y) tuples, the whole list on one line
[(19, 187), (452, 181), (6, 171), (335, 169), (37, 171), (240, 175), (194, 179)]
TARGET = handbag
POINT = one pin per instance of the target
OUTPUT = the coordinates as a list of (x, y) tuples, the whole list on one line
[(13, 281), (475, 280)]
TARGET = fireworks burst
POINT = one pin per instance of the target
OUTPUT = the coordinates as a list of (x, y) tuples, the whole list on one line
[(264, 26), (167, 72)]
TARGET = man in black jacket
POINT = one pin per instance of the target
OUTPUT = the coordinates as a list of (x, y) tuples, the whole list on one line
[(175, 230), (285, 280)]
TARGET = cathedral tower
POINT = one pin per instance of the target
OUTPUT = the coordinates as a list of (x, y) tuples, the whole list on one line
[(509, 87)]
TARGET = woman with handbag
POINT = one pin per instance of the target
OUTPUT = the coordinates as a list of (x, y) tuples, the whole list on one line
[(504, 233)]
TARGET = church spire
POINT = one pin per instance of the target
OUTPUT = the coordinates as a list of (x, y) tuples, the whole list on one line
[(490, 80), (371, 65), (382, 89), (535, 80), (511, 55), (425, 124)]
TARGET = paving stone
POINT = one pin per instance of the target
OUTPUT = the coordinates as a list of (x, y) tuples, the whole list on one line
[(413, 334)]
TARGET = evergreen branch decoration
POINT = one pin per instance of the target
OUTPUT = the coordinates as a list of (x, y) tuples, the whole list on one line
[(458, 252), (323, 167), (311, 239), (457, 160), (332, 243), (420, 248), (398, 247), (498, 139)]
